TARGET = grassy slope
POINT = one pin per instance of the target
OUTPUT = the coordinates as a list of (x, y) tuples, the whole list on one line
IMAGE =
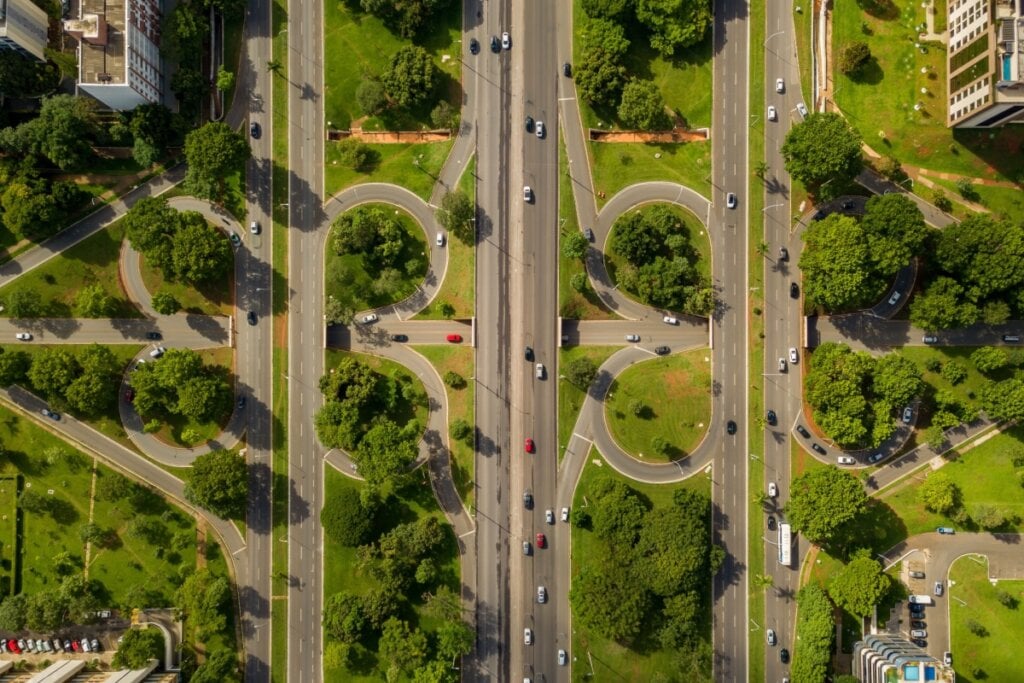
[(570, 398), (973, 597)]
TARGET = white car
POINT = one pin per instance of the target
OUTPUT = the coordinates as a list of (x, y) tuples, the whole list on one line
[(542, 594), (669, 320), (782, 365), (773, 489), (527, 193), (730, 200), (23, 336), (908, 415), (565, 514), (254, 228), (772, 115), (780, 85), (846, 460), (792, 354), (549, 516), (527, 636), (540, 129), (632, 337), (370, 318), (894, 298), (540, 370), (506, 41), (802, 108), (562, 658), (440, 239)]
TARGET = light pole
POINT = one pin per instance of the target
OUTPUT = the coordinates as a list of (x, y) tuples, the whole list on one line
[(773, 206)]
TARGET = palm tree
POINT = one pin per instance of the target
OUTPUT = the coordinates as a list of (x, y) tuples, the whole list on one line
[(764, 581), (275, 66), (760, 169)]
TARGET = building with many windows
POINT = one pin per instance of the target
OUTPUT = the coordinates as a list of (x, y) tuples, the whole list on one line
[(23, 28), (985, 63), (891, 658), (119, 51)]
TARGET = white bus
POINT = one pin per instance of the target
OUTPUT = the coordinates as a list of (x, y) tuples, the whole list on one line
[(785, 544)]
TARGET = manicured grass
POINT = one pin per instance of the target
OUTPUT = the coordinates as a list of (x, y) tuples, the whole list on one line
[(621, 164), (232, 51), (991, 657), (459, 286), (968, 390), (698, 241), (94, 260), (802, 24), (350, 278), (675, 395), (8, 533), (394, 163), (221, 361), (881, 99), (1003, 202), (403, 411), (342, 571), (570, 397), (208, 298), (457, 358), (612, 661)]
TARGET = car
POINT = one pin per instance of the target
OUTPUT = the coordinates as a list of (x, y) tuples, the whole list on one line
[(474, 46), (662, 350), (47, 647), (772, 115), (506, 41), (241, 402), (783, 254), (930, 339), (589, 234), (919, 633), (527, 193), (771, 637), (251, 317), (875, 457), (771, 523), (528, 353), (916, 575), (846, 460), (567, 70), (28, 645), (540, 370), (782, 365), (495, 45), (772, 418), (529, 124), (1011, 338), (67, 645), (920, 642), (76, 646), (140, 364), (254, 227), (562, 658), (916, 609), (85, 645), (565, 514), (794, 290), (527, 549), (947, 658), (730, 200), (802, 108), (669, 320), (454, 338), (780, 85), (3, 647), (154, 335), (540, 129), (549, 516), (908, 415), (917, 624), (542, 541), (369, 318), (803, 431), (894, 298), (793, 358), (817, 447), (632, 337), (439, 239), (730, 427), (527, 636), (819, 214), (157, 351), (784, 656), (14, 646), (254, 130), (129, 395), (23, 336), (773, 489), (528, 445), (542, 594), (235, 239), (399, 338), (938, 589), (527, 500)]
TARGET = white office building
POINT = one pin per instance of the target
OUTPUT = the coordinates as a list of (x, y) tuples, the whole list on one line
[(23, 28)]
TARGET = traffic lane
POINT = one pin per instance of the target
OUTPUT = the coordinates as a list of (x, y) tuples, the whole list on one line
[(382, 333), (186, 330), (689, 333), (862, 331)]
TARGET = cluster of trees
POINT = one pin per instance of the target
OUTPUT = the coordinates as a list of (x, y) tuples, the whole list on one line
[(847, 263), (456, 216), (854, 395), (219, 482), (653, 569), (822, 148), (825, 505), (213, 151), (62, 133), (137, 647), (74, 600), (853, 58), (411, 81), (84, 381), (356, 417), (24, 77), (182, 244), (402, 559), (977, 275), (815, 629), (407, 18), (373, 233), (661, 263), (34, 207), (181, 385), (205, 601), (941, 495)]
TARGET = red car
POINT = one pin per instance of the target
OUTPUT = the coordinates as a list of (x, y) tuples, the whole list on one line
[(529, 445), (12, 645), (75, 646), (454, 338), (129, 394), (541, 541)]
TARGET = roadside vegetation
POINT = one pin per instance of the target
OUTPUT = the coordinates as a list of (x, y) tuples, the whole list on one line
[(457, 216), (572, 387)]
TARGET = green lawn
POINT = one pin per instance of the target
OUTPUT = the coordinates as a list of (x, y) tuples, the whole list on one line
[(8, 533), (621, 164), (208, 298), (1003, 202), (459, 286), (881, 99), (675, 395), (221, 362), (611, 661), (350, 278), (457, 358), (393, 163), (342, 571), (570, 397), (94, 260), (990, 657)]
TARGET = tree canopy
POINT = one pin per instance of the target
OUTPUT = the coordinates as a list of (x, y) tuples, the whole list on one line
[(137, 647), (456, 215), (643, 106), (410, 77), (815, 628), (859, 585), (179, 384), (213, 151), (219, 482), (674, 24), (823, 501), (824, 147), (405, 17)]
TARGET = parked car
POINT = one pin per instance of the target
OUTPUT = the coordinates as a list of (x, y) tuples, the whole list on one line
[(85, 645), (454, 338), (23, 336), (817, 447), (847, 460), (67, 645), (914, 623), (76, 646), (920, 642), (669, 320), (916, 610), (919, 633), (917, 575), (946, 530), (95, 645), (947, 658), (369, 318)]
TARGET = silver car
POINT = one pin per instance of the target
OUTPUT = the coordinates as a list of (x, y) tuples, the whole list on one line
[(542, 595)]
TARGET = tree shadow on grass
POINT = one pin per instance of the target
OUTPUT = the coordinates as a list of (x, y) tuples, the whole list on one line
[(871, 73), (886, 10)]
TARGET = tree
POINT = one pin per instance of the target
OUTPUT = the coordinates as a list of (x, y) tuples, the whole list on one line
[(205, 599), (63, 130), (600, 78), (976, 627), (13, 367), (896, 380), (581, 372), (202, 398), (935, 437), (345, 520), (12, 612), (225, 79), (456, 215), (213, 151), (150, 225), (164, 303), (45, 611), (617, 515), (53, 371), (137, 647), (89, 394), (22, 77), (823, 501), (1004, 400), (219, 482), (93, 301), (988, 359), (941, 201), (860, 585), (890, 167), (942, 306), (815, 629), (144, 153), (607, 36), (673, 550), (410, 77), (28, 211), (152, 123), (824, 147), (896, 232), (985, 255), (454, 380), (405, 17), (835, 264), (343, 617), (444, 115), (609, 603), (355, 154), (370, 96), (24, 303), (995, 313), (609, 9), (643, 106), (939, 493), (221, 666), (200, 252), (674, 24), (385, 452), (853, 57), (761, 170), (403, 647), (454, 639)]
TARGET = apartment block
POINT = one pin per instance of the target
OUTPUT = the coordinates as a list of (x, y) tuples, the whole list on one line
[(891, 658), (23, 28)]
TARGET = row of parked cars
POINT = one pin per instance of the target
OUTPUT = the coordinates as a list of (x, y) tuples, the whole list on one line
[(46, 645)]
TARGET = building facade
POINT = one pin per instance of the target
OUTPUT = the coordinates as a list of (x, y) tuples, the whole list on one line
[(23, 28), (891, 658)]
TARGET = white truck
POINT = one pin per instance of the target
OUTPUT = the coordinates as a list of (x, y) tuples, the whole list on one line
[(921, 599)]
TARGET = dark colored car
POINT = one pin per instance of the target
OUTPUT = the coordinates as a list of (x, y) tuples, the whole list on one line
[(50, 414), (567, 70), (847, 205), (794, 290), (529, 124), (772, 418), (154, 335), (495, 45), (235, 239), (803, 431), (254, 130), (527, 500), (784, 656), (129, 394), (730, 427), (920, 642), (662, 350), (474, 46), (916, 608), (399, 338), (783, 254), (771, 522), (818, 215), (251, 317), (818, 448), (529, 353), (241, 402), (917, 624), (589, 234)]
